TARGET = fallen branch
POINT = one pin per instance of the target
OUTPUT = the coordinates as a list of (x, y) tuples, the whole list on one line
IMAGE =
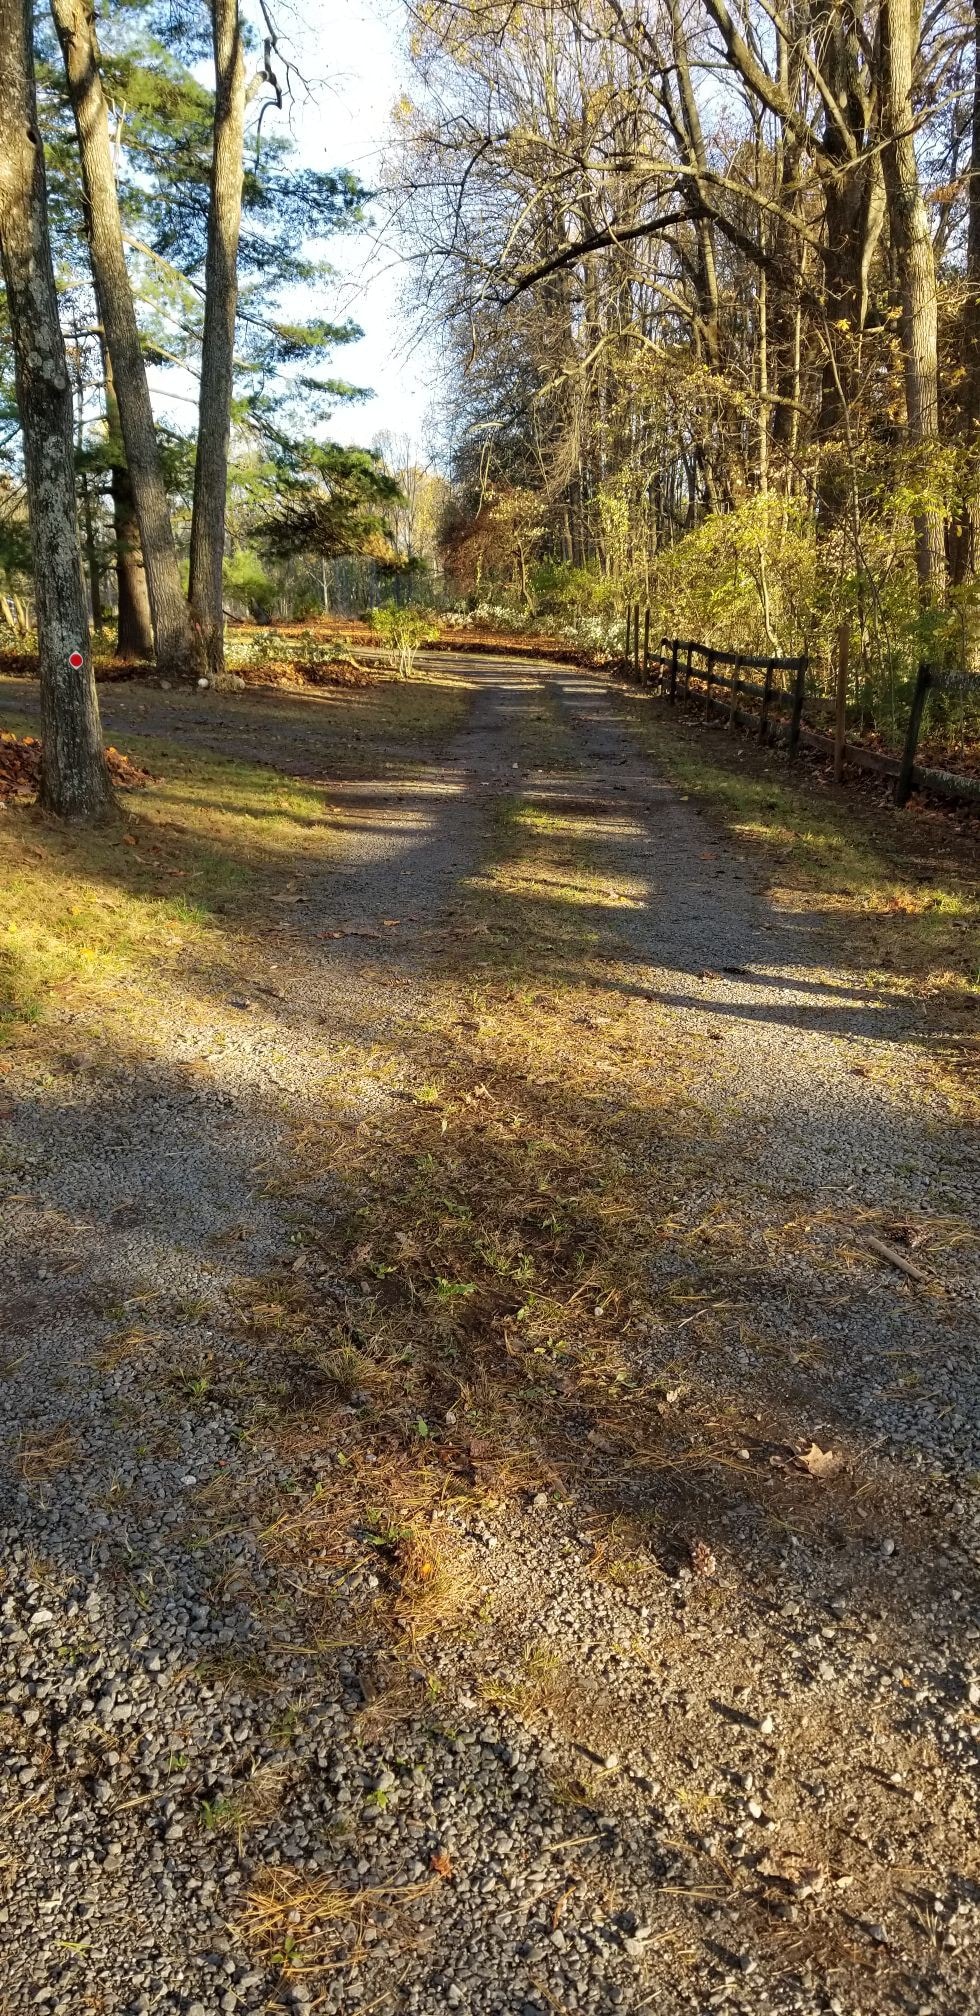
[(895, 1258)]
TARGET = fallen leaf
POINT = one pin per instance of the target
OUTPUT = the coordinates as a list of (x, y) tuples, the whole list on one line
[(441, 1862), (702, 1559), (807, 1879), (817, 1462)]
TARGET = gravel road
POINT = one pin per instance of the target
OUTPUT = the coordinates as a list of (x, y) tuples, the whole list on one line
[(748, 1789)]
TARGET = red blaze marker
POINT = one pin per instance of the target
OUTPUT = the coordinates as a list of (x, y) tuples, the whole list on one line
[(75, 660)]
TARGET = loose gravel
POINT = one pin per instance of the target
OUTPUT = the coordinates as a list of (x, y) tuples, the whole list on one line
[(630, 1785)]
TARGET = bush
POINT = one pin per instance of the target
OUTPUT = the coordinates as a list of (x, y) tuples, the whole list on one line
[(404, 631)]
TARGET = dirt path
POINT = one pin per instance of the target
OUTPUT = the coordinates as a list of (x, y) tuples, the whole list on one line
[(426, 1583)]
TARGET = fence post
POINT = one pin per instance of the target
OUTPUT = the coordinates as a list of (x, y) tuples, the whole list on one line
[(636, 641), (903, 782), (799, 694), (736, 668), (646, 644), (709, 673), (629, 621), (766, 697), (687, 673), (840, 699), (672, 695)]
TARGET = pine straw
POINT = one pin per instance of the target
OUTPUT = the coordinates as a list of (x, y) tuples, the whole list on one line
[(43, 1452), (305, 1926), (285, 671), (20, 768)]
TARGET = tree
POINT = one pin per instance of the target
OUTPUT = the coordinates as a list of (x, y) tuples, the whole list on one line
[(218, 347), (912, 241), (329, 501), (74, 774), (177, 652)]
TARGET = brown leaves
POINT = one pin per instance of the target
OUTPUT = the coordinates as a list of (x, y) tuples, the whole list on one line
[(817, 1462), (805, 1879), (440, 1862), (703, 1561), (20, 768)]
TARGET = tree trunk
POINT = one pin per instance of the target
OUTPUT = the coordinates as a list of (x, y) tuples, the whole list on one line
[(177, 651), (91, 554), (74, 774), (134, 623), (917, 279), (218, 353), (965, 534)]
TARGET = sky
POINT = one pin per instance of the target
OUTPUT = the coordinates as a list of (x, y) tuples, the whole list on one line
[(348, 54), (349, 50)]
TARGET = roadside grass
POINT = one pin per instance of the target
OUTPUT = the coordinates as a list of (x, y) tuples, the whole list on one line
[(522, 1296), (902, 889), (212, 843)]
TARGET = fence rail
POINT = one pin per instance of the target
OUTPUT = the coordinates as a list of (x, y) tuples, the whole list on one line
[(782, 705)]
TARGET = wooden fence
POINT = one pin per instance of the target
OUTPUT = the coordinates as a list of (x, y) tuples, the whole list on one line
[(775, 698)]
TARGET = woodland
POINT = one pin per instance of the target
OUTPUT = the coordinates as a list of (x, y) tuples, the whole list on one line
[(703, 286), (489, 1251)]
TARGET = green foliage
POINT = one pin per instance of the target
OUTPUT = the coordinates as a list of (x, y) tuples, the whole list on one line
[(574, 592), (326, 500), (246, 580), (404, 631)]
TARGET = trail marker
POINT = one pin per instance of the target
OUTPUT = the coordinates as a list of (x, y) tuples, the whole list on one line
[(75, 660)]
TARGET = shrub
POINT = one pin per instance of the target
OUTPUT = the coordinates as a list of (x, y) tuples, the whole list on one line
[(404, 631)]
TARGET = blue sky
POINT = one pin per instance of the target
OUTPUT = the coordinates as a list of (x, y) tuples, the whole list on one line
[(350, 50)]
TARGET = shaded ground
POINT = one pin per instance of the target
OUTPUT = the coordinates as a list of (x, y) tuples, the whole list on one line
[(466, 1469)]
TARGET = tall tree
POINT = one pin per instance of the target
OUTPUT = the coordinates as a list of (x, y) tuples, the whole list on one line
[(899, 35), (177, 652), (218, 347), (74, 774)]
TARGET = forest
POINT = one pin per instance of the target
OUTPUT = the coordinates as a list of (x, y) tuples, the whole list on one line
[(703, 286), (710, 280), (489, 987)]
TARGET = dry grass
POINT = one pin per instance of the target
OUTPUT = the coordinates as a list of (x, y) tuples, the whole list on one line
[(42, 1453), (304, 1927), (524, 1304)]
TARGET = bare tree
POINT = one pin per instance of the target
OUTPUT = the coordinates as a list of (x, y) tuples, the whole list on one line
[(899, 41), (218, 352), (74, 775), (177, 652)]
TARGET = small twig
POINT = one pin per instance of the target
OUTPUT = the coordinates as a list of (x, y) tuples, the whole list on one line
[(895, 1258)]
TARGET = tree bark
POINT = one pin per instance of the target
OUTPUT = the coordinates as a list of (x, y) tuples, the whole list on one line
[(912, 241), (74, 773), (177, 652), (91, 553), (134, 622), (218, 353), (965, 532)]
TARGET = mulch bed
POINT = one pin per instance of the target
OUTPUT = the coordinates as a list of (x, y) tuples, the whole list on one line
[(20, 769)]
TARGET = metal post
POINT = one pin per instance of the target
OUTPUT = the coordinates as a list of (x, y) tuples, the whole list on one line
[(629, 621), (636, 641), (709, 674), (903, 782), (646, 644), (672, 695), (687, 673)]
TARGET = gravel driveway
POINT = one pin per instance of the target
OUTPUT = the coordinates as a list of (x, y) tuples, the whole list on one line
[(731, 1767)]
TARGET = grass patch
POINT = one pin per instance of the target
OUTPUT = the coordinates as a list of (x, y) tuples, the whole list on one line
[(210, 843), (303, 1926), (905, 884)]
